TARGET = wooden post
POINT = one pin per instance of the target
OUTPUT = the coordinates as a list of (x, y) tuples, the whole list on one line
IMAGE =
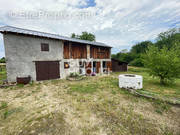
[(88, 51)]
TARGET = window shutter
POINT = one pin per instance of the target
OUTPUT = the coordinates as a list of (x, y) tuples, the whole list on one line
[(44, 47)]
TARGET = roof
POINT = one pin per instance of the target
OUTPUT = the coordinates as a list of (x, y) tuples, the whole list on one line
[(48, 35), (118, 60)]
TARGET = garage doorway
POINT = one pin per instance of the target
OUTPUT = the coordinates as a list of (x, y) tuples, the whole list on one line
[(46, 70)]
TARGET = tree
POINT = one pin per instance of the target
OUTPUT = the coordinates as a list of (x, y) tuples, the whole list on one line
[(163, 63), (126, 57), (137, 62), (168, 38), (141, 47), (134, 56), (2, 60), (73, 35), (124, 51), (84, 36), (137, 50)]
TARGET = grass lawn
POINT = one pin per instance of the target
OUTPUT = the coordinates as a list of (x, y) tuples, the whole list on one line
[(93, 106), (152, 85), (2, 74)]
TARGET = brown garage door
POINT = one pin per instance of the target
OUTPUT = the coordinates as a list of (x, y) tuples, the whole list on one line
[(46, 70)]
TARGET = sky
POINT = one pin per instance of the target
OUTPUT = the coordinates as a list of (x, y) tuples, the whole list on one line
[(118, 23)]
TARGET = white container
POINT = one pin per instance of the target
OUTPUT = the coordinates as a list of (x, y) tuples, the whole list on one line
[(130, 81)]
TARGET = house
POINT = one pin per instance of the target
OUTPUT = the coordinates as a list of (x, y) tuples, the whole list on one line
[(45, 56), (118, 66)]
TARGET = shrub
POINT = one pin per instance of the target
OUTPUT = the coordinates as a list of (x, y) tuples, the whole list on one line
[(137, 62), (74, 75), (2, 60)]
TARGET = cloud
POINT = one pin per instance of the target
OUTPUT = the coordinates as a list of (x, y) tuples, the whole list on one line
[(2, 54), (117, 23)]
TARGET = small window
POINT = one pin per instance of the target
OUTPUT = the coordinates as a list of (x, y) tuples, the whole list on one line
[(66, 65), (82, 64), (104, 64), (44, 47)]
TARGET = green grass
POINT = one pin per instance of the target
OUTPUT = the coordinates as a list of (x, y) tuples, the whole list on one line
[(3, 105), (8, 112), (52, 123), (91, 105), (83, 88), (117, 119), (2, 74), (161, 107), (123, 120), (152, 85)]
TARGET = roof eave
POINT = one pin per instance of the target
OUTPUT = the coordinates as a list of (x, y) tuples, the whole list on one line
[(4, 31)]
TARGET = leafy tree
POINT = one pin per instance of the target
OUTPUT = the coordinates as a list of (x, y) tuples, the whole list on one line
[(141, 47), (126, 57), (168, 38), (138, 62), (124, 51), (163, 63), (84, 36), (2, 60), (136, 52), (73, 35), (134, 56)]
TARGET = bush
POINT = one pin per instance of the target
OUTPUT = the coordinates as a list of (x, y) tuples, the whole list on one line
[(75, 75), (137, 62), (2, 60)]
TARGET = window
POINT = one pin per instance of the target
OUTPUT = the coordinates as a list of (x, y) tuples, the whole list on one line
[(82, 67), (66, 65), (104, 64), (82, 64), (94, 66), (44, 47), (105, 67), (66, 50)]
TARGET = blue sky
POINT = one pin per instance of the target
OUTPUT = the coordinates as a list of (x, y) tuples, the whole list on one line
[(118, 23), (87, 4)]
